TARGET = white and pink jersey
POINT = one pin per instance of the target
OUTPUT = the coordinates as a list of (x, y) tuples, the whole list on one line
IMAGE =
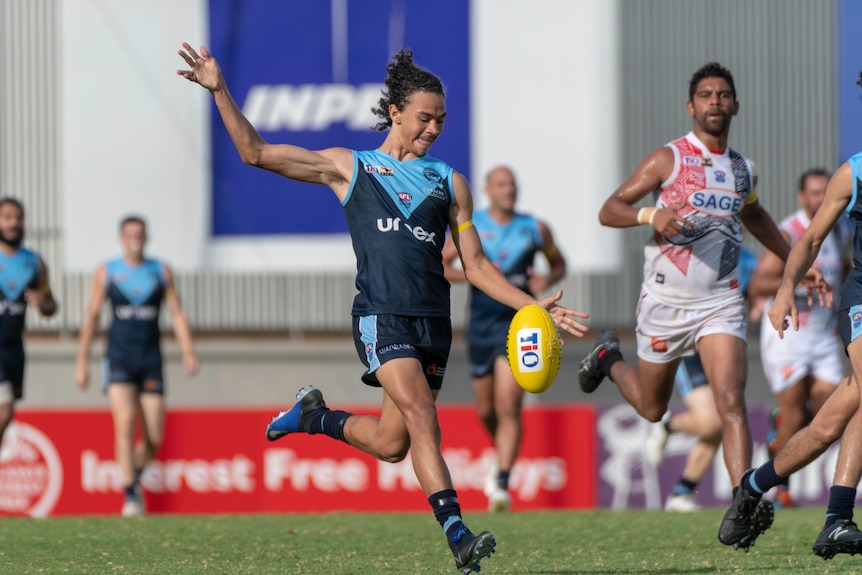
[(698, 268)]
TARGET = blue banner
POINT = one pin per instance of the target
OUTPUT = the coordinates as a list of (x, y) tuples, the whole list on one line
[(849, 66), (308, 73)]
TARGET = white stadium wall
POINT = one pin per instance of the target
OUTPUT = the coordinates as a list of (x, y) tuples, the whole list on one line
[(135, 137)]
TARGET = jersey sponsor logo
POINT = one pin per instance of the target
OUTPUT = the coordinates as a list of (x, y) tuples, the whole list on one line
[(8, 307), (530, 349), (31, 473), (436, 193), (720, 176), (716, 202), (659, 345), (696, 161), (311, 107), (382, 170), (659, 278), (394, 225), (734, 284), (139, 312)]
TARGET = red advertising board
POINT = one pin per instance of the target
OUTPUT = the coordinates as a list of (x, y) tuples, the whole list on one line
[(62, 462)]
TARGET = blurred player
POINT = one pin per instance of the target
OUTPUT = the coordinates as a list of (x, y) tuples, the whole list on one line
[(136, 287), (511, 240), (399, 202), (842, 410), (691, 297), (23, 282), (700, 418), (803, 369)]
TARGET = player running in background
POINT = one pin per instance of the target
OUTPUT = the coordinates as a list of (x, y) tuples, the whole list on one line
[(23, 283), (401, 315), (511, 241), (691, 297), (133, 377), (803, 369)]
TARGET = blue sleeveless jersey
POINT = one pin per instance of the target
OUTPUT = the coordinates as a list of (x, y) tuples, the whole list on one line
[(851, 291), (18, 272), (136, 294), (511, 247), (397, 213)]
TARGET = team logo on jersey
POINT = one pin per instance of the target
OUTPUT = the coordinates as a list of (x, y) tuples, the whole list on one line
[(405, 198), (696, 161), (381, 170), (716, 202), (432, 176), (659, 278), (720, 176), (734, 284)]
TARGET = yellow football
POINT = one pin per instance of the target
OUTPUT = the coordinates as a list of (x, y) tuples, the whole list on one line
[(534, 348)]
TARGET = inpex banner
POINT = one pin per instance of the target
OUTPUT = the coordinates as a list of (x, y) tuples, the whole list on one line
[(56, 463), (627, 480), (849, 66), (308, 74)]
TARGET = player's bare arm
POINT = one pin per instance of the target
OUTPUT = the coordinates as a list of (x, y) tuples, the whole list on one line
[(41, 298), (450, 255), (539, 284), (618, 210), (88, 327), (805, 250), (180, 322), (482, 274), (332, 167)]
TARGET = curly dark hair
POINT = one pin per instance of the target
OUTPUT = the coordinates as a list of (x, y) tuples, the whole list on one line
[(710, 70), (402, 80)]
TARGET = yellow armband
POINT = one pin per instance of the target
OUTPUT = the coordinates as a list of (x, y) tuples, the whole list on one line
[(464, 226)]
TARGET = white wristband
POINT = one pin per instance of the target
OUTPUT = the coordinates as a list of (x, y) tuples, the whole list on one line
[(646, 215)]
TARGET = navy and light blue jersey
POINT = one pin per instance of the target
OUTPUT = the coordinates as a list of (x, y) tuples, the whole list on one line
[(512, 248), (397, 213), (136, 294), (18, 272), (851, 291)]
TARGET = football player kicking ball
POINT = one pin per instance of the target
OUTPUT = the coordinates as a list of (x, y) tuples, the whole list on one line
[(401, 319)]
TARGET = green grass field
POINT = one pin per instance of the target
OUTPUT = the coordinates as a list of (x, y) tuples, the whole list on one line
[(595, 542)]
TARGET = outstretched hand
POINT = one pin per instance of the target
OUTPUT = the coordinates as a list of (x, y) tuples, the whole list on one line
[(815, 283), (564, 317), (204, 68)]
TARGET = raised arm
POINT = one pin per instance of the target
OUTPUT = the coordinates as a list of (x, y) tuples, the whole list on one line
[(180, 322), (88, 327), (332, 167), (481, 273)]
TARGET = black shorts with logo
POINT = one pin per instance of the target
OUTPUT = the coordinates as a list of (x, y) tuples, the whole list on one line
[(380, 338), (147, 378)]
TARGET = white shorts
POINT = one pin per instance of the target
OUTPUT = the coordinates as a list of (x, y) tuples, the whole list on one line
[(666, 333), (804, 352)]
